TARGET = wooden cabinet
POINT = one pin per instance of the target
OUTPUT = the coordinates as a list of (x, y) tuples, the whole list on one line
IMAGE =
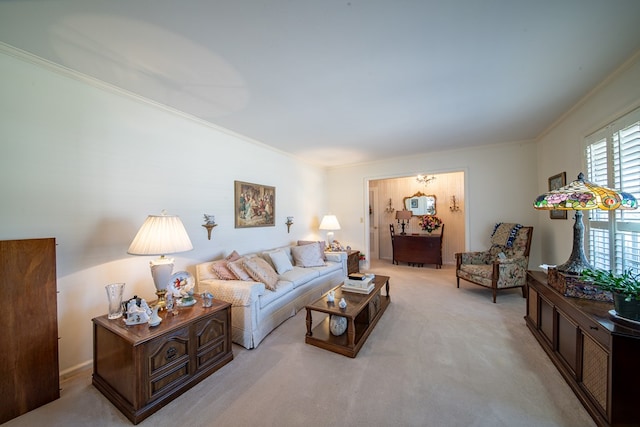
[(141, 368), (353, 262), (29, 374), (596, 356), (418, 249)]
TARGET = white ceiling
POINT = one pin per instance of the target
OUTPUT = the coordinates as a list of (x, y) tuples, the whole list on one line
[(339, 82)]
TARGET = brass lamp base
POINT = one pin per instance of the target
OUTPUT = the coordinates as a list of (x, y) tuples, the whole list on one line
[(161, 302)]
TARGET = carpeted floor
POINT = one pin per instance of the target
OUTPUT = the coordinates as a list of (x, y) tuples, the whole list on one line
[(440, 356)]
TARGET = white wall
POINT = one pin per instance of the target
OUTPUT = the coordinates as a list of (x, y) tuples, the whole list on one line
[(562, 149), (500, 185), (86, 163)]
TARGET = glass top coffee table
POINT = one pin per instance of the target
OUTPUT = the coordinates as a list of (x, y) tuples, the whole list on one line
[(362, 313)]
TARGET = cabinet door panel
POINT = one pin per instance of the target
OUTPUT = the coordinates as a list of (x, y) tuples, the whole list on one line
[(568, 341), (546, 320), (594, 371)]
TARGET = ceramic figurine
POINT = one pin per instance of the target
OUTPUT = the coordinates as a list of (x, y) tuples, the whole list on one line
[(331, 296), (342, 303), (155, 319)]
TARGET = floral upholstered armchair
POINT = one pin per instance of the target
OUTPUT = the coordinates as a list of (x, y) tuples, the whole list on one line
[(504, 265)]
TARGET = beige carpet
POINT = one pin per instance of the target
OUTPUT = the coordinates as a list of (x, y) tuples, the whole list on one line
[(439, 356)]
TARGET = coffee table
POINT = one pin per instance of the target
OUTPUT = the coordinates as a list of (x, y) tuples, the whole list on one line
[(362, 312)]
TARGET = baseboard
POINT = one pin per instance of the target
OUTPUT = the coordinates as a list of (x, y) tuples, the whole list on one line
[(75, 370)]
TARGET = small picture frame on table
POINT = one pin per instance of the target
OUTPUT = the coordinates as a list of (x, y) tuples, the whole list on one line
[(555, 182)]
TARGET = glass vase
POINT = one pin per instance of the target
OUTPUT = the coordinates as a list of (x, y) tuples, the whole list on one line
[(114, 295)]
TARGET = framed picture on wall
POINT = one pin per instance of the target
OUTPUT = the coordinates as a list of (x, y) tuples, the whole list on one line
[(555, 182), (255, 205)]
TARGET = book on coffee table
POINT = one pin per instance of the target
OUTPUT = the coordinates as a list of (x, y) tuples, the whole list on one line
[(364, 286)]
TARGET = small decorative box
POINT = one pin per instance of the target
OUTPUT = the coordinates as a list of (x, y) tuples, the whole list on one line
[(570, 285)]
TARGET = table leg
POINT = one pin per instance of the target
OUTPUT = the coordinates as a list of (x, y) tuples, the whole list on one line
[(309, 333), (387, 287), (351, 332)]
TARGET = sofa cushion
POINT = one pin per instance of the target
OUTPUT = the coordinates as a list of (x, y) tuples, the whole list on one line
[(269, 296), (299, 276), (222, 271), (280, 261), (237, 267), (320, 244), (307, 256), (261, 271)]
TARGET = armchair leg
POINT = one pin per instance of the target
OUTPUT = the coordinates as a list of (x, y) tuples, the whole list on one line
[(495, 293), (458, 282), (524, 292)]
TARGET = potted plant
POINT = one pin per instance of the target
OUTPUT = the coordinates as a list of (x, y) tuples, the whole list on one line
[(624, 287)]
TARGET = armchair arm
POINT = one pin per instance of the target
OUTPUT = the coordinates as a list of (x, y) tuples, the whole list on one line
[(239, 293), (477, 257), (510, 272)]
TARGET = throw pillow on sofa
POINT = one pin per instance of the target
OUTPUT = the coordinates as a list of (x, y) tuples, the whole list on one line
[(261, 271), (280, 261), (222, 271), (320, 243), (237, 267), (307, 256)]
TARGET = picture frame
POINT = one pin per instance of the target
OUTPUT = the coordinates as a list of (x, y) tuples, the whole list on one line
[(555, 182), (254, 205)]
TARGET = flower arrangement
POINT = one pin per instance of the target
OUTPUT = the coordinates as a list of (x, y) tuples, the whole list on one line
[(361, 256), (430, 222)]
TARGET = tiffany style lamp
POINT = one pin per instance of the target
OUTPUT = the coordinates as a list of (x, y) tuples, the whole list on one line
[(582, 195)]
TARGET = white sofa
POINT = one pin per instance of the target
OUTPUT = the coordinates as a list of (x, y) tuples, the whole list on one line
[(256, 310)]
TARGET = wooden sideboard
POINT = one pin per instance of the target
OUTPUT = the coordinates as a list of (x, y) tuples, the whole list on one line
[(141, 368), (418, 249), (596, 355)]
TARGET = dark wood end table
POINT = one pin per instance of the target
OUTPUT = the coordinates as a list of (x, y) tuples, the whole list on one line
[(141, 368)]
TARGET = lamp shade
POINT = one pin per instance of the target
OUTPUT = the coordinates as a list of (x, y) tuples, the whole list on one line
[(329, 222), (403, 215), (161, 235), (582, 195)]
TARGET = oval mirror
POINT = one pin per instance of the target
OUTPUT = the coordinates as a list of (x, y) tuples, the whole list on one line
[(421, 204)]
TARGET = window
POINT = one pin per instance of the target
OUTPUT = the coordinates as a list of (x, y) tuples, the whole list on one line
[(613, 160)]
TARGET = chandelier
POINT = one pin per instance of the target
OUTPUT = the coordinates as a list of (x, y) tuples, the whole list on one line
[(424, 179)]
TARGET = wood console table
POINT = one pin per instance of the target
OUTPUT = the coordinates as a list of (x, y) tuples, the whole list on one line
[(418, 249), (141, 368), (596, 356)]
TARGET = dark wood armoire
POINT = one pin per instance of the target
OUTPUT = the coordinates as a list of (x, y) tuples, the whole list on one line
[(29, 372)]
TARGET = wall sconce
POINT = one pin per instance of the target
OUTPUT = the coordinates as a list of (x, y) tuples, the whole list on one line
[(454, 204), (289, 223), (424, 180), (390, 208), (209, 223)]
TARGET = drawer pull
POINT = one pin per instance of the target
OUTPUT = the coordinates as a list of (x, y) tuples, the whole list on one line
[(171, 354), (593, 328)]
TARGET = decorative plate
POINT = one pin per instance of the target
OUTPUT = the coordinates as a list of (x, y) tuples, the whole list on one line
[(181, 283), (187, 303)]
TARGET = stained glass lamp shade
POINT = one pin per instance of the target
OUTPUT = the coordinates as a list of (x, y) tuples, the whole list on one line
[(582, 195)]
